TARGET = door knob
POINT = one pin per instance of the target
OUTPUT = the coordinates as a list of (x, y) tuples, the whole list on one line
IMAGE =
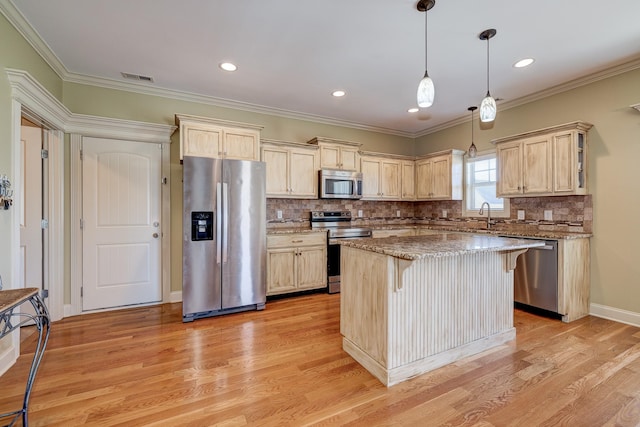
[(155, 235)]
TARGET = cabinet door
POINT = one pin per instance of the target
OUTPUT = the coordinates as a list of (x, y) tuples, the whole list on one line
[(303, 174), (565, 167), (390, 179), (312, 267), (441, 177), (407, 181), (509, 170), (329, 156), (370, 178), (241, 144), (537, 165), (200, 142), (349, 159), (281, 270), (277, 175), (423, 179)]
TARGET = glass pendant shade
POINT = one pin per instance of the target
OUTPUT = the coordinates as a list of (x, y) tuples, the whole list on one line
[(488, 109), (426, 91)]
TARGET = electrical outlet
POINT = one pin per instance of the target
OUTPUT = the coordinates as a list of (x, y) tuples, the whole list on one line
[(279, 214), (548, 215), (444, 213), (398, 213), (360, 213), (521, 215)]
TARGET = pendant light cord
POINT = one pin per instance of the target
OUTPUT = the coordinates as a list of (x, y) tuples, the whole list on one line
[(488, 66), (426, 38)]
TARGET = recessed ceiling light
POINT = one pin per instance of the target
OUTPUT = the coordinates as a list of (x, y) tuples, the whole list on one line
[(413, 110), (523, 62), (338, 93), (228, 66)]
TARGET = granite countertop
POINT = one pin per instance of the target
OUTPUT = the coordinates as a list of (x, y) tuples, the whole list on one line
[(292, 230), (453, 227), (439, 245), (538, 234)]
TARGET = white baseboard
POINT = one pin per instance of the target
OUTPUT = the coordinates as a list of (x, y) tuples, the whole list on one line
[(175, 296), (623, 316), (68, 310)]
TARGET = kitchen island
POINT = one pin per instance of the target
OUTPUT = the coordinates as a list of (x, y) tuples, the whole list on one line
[(412, 304)]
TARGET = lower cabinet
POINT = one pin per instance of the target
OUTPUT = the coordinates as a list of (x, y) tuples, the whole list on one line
[(296, 262)]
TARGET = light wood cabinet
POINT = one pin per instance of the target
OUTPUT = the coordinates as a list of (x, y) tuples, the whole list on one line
[(545, 162), (220, 139), (296, 262), (380, 178), (408, 180), (336, 154), (574, 278), (291, 169), (439, 176), (387, 176)]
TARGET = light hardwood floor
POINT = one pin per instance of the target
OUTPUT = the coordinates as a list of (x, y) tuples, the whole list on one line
[(285, 366)]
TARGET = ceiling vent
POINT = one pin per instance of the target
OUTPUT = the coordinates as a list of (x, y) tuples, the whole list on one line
[(137, 77)]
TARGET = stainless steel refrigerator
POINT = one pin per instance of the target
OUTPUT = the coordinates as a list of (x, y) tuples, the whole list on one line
[(224, 238)]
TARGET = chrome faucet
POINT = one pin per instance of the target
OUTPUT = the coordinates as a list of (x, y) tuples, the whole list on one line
[(488, 213)]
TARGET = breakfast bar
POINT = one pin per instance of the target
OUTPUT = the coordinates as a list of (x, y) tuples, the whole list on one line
[(412, 304)]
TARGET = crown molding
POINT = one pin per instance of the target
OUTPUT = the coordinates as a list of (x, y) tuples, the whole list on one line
[(39, 102), (606, 73), (25, 29), (147, 89), (14, 16)]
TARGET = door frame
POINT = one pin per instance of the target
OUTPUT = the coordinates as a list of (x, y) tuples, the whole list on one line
[(77, 242), (33, 100)]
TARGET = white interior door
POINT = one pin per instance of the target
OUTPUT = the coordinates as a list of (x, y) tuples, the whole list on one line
[(30, 205), (121, 223)]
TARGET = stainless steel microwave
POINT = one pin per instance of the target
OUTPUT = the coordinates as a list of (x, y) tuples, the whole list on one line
[(339, 184)]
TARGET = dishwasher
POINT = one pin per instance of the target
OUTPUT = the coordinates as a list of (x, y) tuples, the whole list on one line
[(536, 277)]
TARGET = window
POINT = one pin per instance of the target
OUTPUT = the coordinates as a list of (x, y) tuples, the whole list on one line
[(480, 186)]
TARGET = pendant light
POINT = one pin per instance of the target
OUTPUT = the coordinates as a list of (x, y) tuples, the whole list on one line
[(488, 105), (426, 90), (472, 151)]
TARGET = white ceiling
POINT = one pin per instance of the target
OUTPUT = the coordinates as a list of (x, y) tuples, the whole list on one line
[(291, 54)]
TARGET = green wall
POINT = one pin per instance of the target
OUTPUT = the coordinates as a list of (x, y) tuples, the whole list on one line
[(614, 176), (614, 147)]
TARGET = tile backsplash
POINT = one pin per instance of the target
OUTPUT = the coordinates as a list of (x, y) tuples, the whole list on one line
[(570, 213)]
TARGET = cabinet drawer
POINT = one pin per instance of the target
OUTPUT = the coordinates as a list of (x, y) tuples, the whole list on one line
[(295, 240)]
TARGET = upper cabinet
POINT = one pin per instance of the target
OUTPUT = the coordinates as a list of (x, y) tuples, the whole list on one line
[(545, 162), (408, 179), (206, 137), (439, 176), (292, 169), (381, 177), (336, 154)]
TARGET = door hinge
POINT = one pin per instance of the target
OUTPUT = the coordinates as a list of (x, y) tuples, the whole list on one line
[(81, 223), (44, 153), (44, 224), (81, 155), (81, 291), (44, 293), (164, 180)]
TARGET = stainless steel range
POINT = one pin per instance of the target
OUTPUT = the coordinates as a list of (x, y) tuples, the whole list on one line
[(338, 224)]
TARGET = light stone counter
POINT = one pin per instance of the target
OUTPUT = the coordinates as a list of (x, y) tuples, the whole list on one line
[(409, 305), (439, 245)]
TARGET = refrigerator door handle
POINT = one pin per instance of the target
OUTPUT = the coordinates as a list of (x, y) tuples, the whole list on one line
[(225, 220), (218, 223)]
